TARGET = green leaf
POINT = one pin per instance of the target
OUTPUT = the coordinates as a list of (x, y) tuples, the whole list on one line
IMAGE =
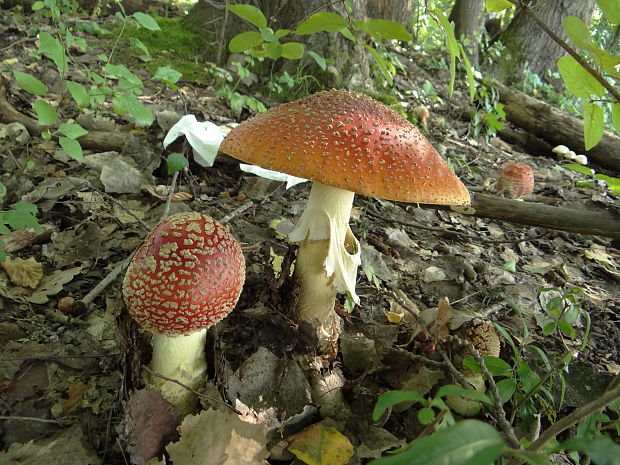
[(282, 32), (176, 162), (451, 42), (26, 207), (146, 21), (612, 183), (138, 113), (273, 50), (30, 83), (567, 328), (611, 10), (605, 60), (348, 34), (426, 415), (52, 48), (72, 147), (391, 398), (578, 32), (323, 21), (381, 64), (143, 48), (577, 80), (469, 71), (292, 50), (244, 41), (497, 366), (533, 458), (494, 6), (471, 394), (249, 13), (579, 168), (593, 124), (386, 29), (468, 442), (121, 71), (540, 352), (168, 75), (79, 93), (602, 451), (45, 113), (38, 5), (506, 388), (323, 63), (268, 35), (72, 130)]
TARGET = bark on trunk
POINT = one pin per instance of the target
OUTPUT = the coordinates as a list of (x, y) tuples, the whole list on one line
[(468, 20), (528, 47), (555, 127)]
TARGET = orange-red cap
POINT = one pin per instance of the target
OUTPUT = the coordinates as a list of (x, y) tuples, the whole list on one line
[(350, 141)]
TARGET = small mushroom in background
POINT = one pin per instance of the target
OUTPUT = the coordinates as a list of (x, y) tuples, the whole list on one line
[(561, 151), (185, 277), (581, 159), (516, 181), (485, 339), (346, 143)]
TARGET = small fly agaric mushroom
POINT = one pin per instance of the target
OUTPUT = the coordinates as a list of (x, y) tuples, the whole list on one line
[(516, 180), (345, 143), (185, 277)]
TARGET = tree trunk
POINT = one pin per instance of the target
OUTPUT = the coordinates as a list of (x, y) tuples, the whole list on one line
[(349, 62), (556, 127), (468, 20), (529, 48)]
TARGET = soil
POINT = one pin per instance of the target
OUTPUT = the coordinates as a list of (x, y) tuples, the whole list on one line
[(68, 370)]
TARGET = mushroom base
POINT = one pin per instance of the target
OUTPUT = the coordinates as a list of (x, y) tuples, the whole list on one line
[(181, 358), (317, 294)]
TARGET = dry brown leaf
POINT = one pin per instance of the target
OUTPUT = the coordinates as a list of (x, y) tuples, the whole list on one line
[(77, 390), (217, 437), (439, 327), (26, 273)]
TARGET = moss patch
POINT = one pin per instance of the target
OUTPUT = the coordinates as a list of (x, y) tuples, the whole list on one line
[(174, 46)]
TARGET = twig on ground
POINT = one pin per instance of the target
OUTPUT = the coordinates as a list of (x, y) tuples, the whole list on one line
[(173, 183), (193, 391), (235, 213), (122, 206)]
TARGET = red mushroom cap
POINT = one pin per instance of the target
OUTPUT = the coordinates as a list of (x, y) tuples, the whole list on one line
[(517, 180), (186, 276), (349, 141)]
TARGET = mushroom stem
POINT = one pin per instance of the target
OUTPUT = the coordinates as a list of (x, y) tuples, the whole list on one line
[(328, 256), (181, 358)]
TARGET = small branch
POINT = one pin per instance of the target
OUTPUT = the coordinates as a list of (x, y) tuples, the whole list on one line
[(497, 409), (193, 391), (173, 183)]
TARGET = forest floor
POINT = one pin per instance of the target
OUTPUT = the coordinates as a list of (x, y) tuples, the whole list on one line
[(67, 373)]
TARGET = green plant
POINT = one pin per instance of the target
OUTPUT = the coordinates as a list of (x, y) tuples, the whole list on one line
[(593, 177), (267, 43), (22, 215), (123, 96), (487, 119), (585, 75)]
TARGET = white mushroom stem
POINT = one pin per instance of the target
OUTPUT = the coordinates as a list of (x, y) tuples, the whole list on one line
[(328, 256), (181, 358)]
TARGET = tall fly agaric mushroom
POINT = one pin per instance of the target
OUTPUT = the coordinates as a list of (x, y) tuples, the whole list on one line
[(185, 277), (346, 143)]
